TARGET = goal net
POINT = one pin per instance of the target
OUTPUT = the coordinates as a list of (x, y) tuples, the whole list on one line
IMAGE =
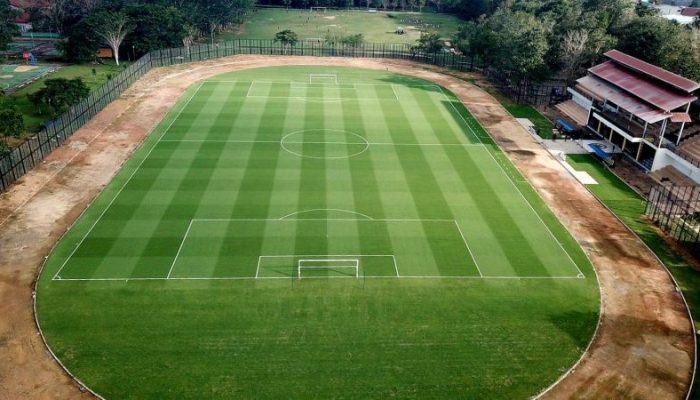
[(328, 267), (319, 9)]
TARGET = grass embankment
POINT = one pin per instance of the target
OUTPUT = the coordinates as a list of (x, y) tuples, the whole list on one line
[(34, 120), (376, 27), (629, 207)]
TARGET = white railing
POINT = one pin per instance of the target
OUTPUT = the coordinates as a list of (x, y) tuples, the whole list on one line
[(580, 99)]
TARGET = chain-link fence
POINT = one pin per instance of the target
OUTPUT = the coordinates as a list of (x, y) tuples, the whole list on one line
[(23, 158), (676, 210)]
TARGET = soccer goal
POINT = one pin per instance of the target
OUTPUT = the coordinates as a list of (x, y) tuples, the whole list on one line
[(319, 9), (328, 267)]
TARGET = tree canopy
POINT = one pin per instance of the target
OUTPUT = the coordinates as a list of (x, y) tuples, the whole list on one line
[(59, 94), (155, 27), (141, 25), (11, 123), (286, 37), (8, 28)]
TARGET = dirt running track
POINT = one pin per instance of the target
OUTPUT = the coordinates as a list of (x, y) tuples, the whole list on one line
[(644, 347)]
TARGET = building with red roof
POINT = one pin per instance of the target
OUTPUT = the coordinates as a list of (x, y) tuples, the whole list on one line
[(23, 20), (640, 108)]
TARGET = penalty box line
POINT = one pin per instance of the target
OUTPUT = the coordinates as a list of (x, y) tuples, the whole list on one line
[(336, 86), (285, 219), (319, 142)]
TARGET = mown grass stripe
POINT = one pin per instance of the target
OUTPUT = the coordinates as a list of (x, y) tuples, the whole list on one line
[(92, 257), (257, 181), (311, 236), (423, 183)]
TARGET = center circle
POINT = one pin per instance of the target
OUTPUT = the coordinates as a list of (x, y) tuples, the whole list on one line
[(324, 144)]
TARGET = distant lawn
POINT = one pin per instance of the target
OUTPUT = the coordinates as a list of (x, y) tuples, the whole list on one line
[(629, 207), (376, 27), (543, 125), (32, 119)]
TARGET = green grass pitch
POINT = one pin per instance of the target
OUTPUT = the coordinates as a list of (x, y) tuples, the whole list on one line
[(429, 267)]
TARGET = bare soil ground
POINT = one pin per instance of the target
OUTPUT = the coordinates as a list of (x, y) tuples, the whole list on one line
[(644, 346)]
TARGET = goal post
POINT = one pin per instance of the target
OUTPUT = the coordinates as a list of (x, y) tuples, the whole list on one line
[(342, 267), (319, 9)]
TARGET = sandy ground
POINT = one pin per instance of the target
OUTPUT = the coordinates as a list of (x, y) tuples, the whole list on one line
[(644, 346)]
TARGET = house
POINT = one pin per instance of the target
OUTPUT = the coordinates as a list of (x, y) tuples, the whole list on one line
[(641, 109), (690, 12), (23, 20)]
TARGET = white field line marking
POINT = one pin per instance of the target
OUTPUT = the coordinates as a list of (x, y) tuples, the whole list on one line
[(323, 76), (324, 255), (324, 219), (307, 84), (561, 246), (251, 278), (257, 269), (247, 93), (293, 256), (138, 167), (317, 98), (477, 136), (393, 90), (182, 244), (327, 209), (476, 264), (303, 142)]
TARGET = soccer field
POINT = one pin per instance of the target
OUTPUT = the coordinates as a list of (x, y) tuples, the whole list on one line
[(308, 232)]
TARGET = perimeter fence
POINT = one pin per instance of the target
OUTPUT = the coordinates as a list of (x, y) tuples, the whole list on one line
[(676, 210), (23, 158)]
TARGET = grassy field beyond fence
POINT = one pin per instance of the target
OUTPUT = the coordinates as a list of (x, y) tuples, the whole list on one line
[(376, 27), (33, 120)]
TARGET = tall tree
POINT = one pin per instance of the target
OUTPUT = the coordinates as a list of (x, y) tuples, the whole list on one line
[(82, 43), (663, 43), (154, 27), (212, 15), (8, 28), (112, 27), (287, 37), (573, 48), (11, 123), (517, 43), (58, 94), (191, 35), (429, 42)]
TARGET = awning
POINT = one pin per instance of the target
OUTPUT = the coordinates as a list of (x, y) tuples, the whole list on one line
[(680, 117), (566, 126), (599, 151)]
